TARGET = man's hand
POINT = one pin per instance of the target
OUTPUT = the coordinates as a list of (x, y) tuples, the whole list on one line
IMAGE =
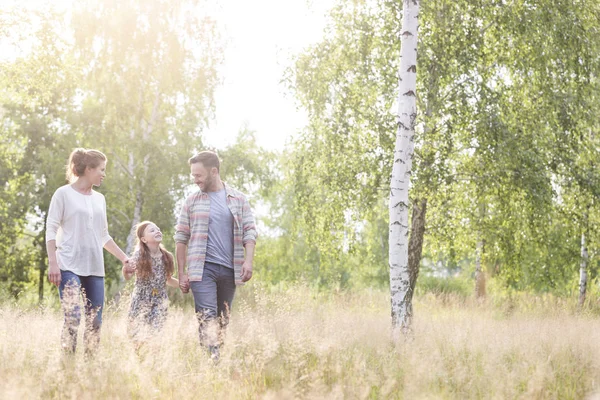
[(54, 273), (184, 283), (246, 271)]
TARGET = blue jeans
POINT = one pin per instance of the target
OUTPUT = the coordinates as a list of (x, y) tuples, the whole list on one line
[(213, 296), (91, 288)]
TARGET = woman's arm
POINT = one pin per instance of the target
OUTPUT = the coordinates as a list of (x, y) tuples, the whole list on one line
[(109, 243), (53, 269), (53, 221), (130, 266), (116, 251)]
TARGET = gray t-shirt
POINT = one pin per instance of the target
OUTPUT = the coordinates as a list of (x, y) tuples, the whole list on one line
[(219, 247)]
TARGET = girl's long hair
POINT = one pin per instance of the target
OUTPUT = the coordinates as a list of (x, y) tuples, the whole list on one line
[(144, 263)]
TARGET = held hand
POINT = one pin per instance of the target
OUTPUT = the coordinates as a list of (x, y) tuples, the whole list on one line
[(129, 266), (54, 273), (184, 283), (246, 271)]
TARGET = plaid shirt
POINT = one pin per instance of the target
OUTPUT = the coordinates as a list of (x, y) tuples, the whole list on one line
[(192, 230)]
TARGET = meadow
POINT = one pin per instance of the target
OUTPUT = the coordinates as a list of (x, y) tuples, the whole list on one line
[(297, 343)]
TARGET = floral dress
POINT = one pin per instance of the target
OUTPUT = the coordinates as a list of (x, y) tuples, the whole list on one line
[(149, 301)]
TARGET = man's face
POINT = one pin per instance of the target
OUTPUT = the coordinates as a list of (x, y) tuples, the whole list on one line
[(202, 177)]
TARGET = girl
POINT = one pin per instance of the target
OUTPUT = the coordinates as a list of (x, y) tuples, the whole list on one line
[(153, 267), (76, 232)]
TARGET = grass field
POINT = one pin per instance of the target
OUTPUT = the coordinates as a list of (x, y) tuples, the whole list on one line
[(294, 344)]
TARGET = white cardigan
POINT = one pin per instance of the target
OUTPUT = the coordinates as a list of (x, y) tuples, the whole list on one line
[(78, 224)]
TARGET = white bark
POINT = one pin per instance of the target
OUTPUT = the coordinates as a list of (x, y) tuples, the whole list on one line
[(583, 275), (401, 293)]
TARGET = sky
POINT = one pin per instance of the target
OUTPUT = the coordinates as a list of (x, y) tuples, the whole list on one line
[(261, 38)]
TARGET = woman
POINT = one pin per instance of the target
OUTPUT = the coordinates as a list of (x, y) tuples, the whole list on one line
[(76, 232)]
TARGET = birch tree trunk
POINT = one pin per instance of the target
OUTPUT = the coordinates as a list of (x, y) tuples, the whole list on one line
[(400, 274), (583, 275)]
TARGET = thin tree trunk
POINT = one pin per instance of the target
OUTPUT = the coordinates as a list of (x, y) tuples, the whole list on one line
[(41, 281), (137, 212), (43, 263), (583, 273), (479, 250), (479, 275), (139, 197), (400, 274)]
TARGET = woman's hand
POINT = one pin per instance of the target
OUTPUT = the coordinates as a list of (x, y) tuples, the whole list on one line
[(54, 273)]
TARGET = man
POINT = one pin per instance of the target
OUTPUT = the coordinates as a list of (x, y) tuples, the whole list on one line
[(215, 237)]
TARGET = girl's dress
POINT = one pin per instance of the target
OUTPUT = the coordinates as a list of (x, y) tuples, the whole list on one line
[(149, 301)]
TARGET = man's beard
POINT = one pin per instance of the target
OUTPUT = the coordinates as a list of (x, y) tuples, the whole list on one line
[(208, 184)]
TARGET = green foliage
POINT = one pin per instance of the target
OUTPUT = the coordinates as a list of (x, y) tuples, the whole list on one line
[(455, 286), (248, 167), (134, 80), (505, 144), (146, 95)]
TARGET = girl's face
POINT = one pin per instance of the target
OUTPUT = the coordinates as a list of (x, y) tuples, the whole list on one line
[(152, 235), (96, 175)]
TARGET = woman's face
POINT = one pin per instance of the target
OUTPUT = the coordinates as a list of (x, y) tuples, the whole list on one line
[(96, 175)]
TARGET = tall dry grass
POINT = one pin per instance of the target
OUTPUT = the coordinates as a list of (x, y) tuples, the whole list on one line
[(297, 344)]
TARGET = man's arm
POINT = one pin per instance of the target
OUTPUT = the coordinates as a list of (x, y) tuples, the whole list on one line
[(248, 260), (181, 254), (249, 240), (182, 237)]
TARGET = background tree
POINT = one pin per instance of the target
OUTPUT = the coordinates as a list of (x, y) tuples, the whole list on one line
[(150, 72), (501, 95), (133, 79), (400, 273)]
